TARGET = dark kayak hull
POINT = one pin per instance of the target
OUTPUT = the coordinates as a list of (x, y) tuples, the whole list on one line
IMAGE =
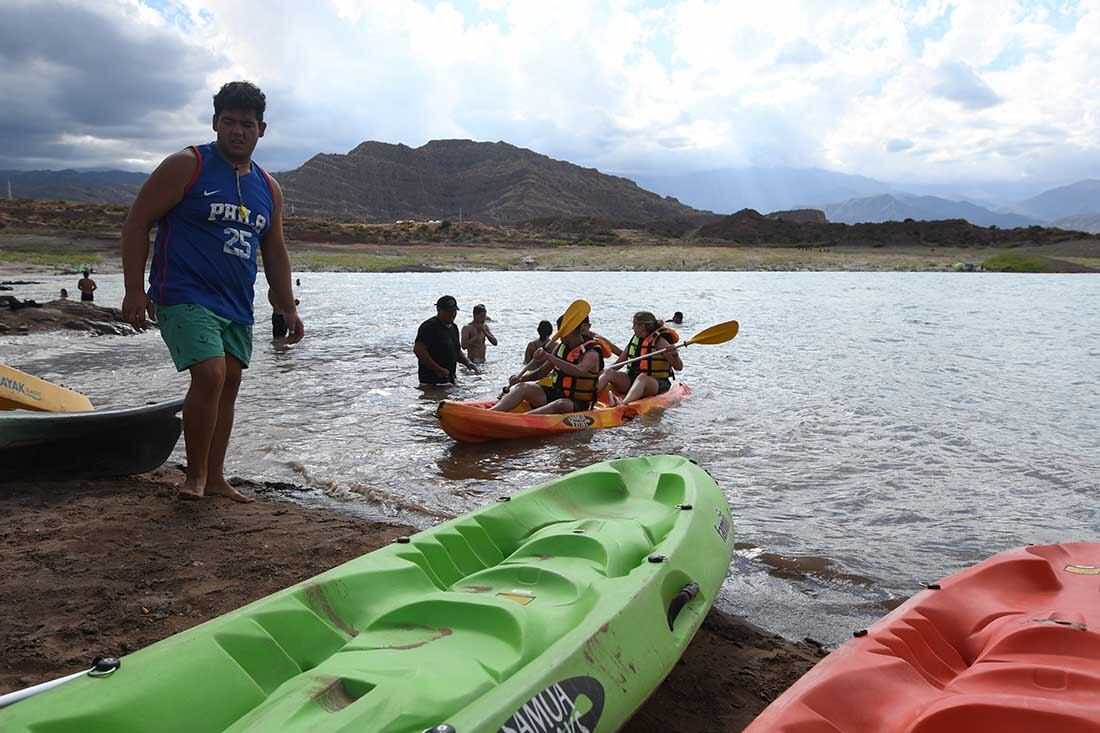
[(82, 445)]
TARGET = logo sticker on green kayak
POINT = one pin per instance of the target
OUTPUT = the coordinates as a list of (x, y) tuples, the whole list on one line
[(570, 706), (723, 526), (578, 421)]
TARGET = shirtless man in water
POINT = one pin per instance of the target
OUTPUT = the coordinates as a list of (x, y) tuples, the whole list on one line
[(87, 287), (474, 334)]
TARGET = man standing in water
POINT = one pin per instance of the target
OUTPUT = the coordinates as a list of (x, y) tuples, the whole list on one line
[(87, 287), (436, 346), (214, 209), (474, 334)]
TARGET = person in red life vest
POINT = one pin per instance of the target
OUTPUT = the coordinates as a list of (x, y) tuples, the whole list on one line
[(576, 362), (214, 209), (650, 376)]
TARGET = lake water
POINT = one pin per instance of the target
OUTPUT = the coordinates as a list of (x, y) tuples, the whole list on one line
[(870, 430)]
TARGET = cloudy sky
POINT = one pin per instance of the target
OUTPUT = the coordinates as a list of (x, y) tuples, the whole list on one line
[(921, 90)]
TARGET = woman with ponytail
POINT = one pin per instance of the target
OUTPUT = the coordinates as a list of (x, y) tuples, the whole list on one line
[(650, 376)]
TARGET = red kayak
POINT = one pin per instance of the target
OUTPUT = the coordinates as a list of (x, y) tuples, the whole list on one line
[(1011, 645), (473, 422)]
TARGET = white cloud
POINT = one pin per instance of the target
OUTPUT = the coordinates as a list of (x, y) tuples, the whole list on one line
[(1001, 88)]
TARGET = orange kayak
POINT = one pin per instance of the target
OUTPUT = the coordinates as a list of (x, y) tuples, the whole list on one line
[(473, 422), (1010, 645)]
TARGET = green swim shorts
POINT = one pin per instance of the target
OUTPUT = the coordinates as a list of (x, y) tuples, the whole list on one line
[(193, 334)]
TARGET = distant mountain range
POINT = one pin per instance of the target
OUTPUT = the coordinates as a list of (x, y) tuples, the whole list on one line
[(1080, 223), (504, 184), (899, 207), (856, 199), (762, 189), (1082, 197), (94, 187)]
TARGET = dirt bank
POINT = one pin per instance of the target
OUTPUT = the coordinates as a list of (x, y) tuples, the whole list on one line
[(107, 567)]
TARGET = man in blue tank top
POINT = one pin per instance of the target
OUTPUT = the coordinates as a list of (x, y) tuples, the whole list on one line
[(214, 209)]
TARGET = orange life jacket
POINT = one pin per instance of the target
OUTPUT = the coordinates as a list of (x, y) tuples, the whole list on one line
[(656, 366), (581, 389)]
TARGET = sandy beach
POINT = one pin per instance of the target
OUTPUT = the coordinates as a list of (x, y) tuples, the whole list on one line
[(91, 568)]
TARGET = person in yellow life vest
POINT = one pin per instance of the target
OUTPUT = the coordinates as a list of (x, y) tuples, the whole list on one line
[(546, 374), (650, 376), (576, 362)]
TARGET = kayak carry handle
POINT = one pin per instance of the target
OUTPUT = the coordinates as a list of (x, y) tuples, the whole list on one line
[(680, 600), (101, 667)]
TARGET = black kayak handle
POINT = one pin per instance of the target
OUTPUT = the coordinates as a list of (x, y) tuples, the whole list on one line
[(680, 600)]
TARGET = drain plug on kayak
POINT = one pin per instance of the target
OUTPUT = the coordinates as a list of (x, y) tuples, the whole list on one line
[(443, 728), (657, 558)]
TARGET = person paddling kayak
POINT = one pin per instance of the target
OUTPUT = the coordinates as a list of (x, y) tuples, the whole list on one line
[(577, 362), (650, 376)]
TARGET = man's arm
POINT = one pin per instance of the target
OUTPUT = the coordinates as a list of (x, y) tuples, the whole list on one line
[(465, 362), (421, 351), (158, 195), (489, 334), (277, 268)]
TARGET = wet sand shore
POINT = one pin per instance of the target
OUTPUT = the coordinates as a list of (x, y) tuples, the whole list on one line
[(92, 568)]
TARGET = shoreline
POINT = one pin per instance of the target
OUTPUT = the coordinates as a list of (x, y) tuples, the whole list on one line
[(28, 254), (95, 568)]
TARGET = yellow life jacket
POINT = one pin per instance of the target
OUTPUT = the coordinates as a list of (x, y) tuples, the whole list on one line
[(581, 389), (656, 366)]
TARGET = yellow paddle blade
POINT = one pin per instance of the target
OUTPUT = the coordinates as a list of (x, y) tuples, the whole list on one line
[(577, 311), (19, 390), (719, 334)]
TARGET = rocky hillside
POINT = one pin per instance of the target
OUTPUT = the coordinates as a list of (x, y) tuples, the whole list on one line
[(750, 227), (494, 183), (814, 216)]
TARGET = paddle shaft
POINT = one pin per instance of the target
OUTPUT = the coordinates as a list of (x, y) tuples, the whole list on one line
[(14, 697), (681, 345)]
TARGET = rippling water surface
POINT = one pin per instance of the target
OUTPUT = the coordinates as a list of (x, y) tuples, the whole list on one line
[(870, 429)]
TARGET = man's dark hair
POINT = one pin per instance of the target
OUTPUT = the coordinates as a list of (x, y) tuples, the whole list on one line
[(545, 329), (242, 95)]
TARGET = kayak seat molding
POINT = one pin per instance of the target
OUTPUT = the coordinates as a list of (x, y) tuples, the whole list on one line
[(1011, 644), (461, 624)]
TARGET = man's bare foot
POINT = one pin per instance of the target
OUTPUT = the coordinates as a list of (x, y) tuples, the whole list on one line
[(223, 489), (191, 490)]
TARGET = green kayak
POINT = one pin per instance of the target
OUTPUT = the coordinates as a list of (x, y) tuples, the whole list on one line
[(559, 609)]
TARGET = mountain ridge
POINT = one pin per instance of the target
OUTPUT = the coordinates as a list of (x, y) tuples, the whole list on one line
[(447, 179)]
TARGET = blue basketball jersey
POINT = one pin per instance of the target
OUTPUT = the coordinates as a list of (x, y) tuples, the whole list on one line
[(205, 250)]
